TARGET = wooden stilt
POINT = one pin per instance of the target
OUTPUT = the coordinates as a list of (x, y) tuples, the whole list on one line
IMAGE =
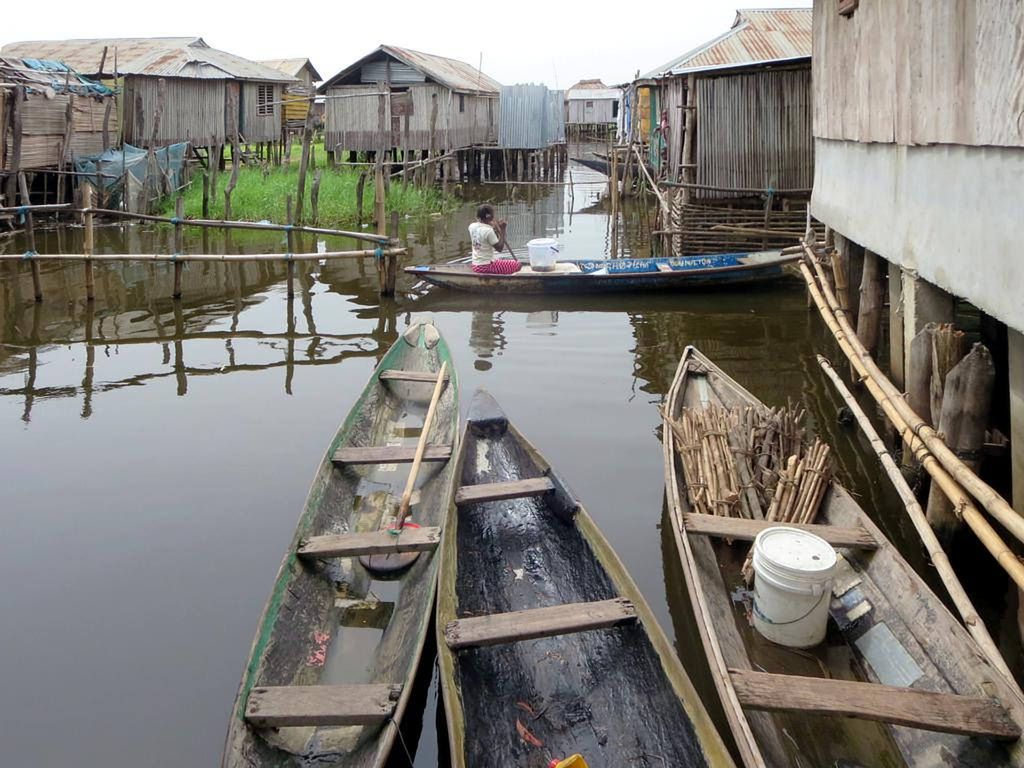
[(30, 237), (87, 241), (965, 410), (179, 242), (947, 351), (869, 318)]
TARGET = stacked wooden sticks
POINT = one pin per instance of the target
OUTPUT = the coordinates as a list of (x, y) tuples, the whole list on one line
[(752, 463)]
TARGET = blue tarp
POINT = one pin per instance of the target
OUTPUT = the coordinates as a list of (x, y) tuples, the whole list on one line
[(114, 169), (76, 84)]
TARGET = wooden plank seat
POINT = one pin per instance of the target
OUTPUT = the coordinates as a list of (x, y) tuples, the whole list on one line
[(389, 454), (292, 705), (370, 543), (515, 626), (944, 712), (513, 489), (394, 374), (742, 529)]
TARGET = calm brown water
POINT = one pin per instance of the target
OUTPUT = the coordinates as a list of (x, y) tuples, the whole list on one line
[(154, 457)]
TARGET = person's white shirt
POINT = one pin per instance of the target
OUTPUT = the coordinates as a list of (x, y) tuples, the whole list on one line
[(484, 238)]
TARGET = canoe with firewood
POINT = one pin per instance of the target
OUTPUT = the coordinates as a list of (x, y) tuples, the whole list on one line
[(331, 669), (897, 681), (668, 273), (546, 646)]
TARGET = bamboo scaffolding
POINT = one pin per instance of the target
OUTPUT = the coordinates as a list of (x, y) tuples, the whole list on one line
[(914, 432), (956, 592)]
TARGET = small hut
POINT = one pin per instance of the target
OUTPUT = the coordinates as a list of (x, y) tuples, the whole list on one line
[(176, 89), (49, 113), (592, 109), (398, 98), (298, 96), (734, 115)]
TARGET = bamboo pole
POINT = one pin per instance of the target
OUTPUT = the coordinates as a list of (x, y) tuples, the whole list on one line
[(179, 243), (290, 237), (30, 237), (421, 446), (931, 543), (360, 254), (87, 241), (936, 458)]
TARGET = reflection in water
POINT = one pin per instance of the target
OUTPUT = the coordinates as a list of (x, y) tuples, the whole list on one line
[(486, 337)]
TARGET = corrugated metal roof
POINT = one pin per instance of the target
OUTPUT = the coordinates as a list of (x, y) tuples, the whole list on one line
[(595, 84), (292, 67), (757, 36), (157, 56), (593, 94), (451, 73)]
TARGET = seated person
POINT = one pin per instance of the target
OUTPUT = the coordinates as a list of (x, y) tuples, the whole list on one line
[(488, 236)]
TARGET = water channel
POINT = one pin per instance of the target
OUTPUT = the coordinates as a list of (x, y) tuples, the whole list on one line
[(154, 455)]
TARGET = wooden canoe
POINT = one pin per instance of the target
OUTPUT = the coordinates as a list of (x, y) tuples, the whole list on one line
[(546, 646), (613, 275), (331, 668), (914, 688), (601, 164)]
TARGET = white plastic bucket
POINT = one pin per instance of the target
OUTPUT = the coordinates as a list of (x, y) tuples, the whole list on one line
[(793, 573), (543, 252)]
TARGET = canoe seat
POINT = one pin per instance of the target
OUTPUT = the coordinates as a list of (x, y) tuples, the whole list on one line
[(393, 374), (371, 543), (291, 705), (943, 712), (513, 489), (499, 628), (389, 454), (742, 529)]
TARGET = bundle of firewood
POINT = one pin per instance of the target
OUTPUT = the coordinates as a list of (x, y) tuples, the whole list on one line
[(751, 462)]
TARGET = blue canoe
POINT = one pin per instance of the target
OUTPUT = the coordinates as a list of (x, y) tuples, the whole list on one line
[(609, 275)]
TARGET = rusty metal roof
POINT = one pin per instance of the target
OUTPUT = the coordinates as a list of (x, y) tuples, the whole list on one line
[(451, 73), (292, 67), (187, 57), (757, 36)]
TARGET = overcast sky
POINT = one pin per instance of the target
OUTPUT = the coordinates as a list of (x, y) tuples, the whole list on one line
[(553, 42)]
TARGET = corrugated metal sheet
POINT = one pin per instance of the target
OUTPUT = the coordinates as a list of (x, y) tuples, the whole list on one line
[(301, 69), (256, 124), (194, 111), (394, 72), (532, 117), (913, 73), (592, 111), (188, 57), (756, 37), (451, 73), (754, 131)]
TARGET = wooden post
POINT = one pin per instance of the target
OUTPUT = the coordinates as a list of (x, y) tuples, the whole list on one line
[(947, 351), (30, 237), (869, 318), (378, 201), (291, 247), (314, 197), (613, 190), (87, 241), (206, 193), (232, 181), (179, 241), (690, 136), (965, 410), (897, 356), (307, 137), (360, 186)]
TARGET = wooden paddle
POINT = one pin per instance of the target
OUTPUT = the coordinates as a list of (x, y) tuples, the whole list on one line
[(392, 562)]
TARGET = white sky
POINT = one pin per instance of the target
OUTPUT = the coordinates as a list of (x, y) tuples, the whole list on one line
[(554, 42)]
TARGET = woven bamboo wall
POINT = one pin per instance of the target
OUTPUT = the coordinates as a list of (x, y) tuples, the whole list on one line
[(44, 123), (754, 131), (259, 125)]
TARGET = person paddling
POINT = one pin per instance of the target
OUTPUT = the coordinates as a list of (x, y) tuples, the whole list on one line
[(488, 236)]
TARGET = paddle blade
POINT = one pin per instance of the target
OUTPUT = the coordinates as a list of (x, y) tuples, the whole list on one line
[(389, 563)]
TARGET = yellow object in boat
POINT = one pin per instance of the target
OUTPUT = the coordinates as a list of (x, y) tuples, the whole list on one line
[(576, 761)]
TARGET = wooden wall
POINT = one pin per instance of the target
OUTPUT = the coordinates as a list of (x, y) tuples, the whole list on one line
[(193, 111), (44, 125), (600, 112), (256, 127), (352, 123), (907, 72), (754, 130)]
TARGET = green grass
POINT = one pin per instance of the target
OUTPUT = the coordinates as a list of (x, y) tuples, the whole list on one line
[(261, 196)]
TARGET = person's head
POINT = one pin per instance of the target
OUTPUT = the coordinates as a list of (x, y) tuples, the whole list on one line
[(485, 213)]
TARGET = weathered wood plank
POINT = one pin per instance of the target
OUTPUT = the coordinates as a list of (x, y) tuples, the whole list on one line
[(397, 375), (292, 705), (513, 489), (515, 626), (948, 713), (746, 530), (390, 454), (371, 543)]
